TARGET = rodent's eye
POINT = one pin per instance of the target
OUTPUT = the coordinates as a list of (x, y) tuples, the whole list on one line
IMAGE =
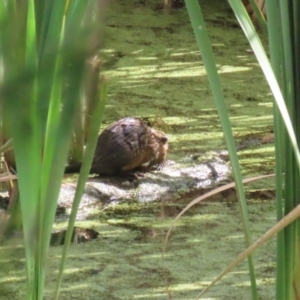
[(164, 139)]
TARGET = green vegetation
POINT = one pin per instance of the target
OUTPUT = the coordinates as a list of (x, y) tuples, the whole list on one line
[(44, 70), (155, 72)]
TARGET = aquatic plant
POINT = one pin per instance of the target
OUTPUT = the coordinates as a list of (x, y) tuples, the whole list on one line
[(48, 63), (282, 75)]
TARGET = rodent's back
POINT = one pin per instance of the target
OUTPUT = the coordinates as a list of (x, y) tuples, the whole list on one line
[(128, 144)]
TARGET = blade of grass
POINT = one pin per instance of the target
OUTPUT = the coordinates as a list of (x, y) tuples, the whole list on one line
[(75, 35), (275, 39), (23, 127), (291, 150), (95, 95), (263, 60), (296, 63), (54, 87), (48, 47), (76, 11), (204, 45), (31, 63), (8, 145), (85, 168), (41, 136)]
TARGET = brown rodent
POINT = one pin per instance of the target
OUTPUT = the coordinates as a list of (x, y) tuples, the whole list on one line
[(126, 147)]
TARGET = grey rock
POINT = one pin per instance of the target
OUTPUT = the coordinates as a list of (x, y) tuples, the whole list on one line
[(176, 179)]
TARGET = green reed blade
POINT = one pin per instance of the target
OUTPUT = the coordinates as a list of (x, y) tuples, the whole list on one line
[(275, 39), (213, 77)]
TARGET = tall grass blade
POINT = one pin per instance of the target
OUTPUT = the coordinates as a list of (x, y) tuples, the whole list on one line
[(88, 157), (263, 60), (277, 60), (43, 49), (290, 190), (213, 77), (283, 60)]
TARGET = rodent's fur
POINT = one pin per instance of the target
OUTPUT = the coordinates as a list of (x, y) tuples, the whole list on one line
[(127, 146)]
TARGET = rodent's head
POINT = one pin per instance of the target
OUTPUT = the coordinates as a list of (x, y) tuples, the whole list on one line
[(160, 136), (162, 140), (159, 144)]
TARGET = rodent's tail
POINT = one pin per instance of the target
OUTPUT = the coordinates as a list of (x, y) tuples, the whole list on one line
[(73, 168)]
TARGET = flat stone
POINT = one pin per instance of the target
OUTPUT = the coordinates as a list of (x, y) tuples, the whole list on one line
[(175, 180)]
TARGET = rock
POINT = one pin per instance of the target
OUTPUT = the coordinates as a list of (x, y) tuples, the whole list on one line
[(175, 180)]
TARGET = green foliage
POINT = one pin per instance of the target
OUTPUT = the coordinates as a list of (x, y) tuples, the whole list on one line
[(283, 19), (284, 48), (44, 49), (213, 77), (283, 78)]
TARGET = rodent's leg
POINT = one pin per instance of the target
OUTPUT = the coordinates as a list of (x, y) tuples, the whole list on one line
[(156, 166), (131, 175)]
